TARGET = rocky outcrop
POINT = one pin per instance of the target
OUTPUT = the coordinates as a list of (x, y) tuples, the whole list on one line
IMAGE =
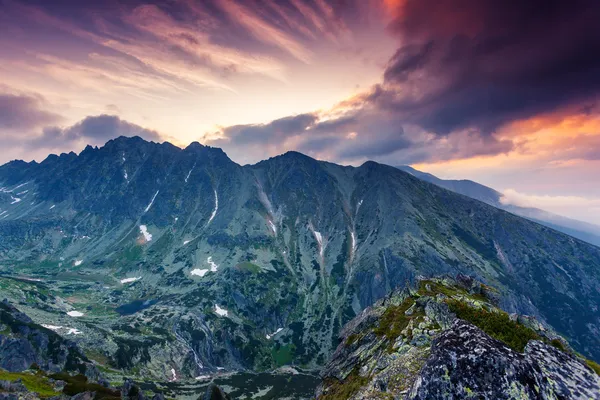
[(465, 362), (213, 392), (446, 339), (36, 363), (24, 343)]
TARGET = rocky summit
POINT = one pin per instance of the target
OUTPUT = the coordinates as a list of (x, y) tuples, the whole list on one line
[(181, 267), (448, 340)]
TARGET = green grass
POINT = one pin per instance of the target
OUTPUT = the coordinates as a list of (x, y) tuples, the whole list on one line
[(437, 287), (557, 344), (79, 384), (394, 320), (593, 365), (37, 383), (342, 390), (496, 324), (250, 267), (283, 355)]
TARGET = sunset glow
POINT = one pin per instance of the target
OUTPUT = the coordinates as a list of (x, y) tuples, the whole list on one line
[(499, 93)]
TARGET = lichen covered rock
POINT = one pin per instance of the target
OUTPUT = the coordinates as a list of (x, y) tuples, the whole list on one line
[(447, 339)]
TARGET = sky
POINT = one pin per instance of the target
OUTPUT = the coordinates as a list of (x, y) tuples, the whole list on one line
[(503, 92)]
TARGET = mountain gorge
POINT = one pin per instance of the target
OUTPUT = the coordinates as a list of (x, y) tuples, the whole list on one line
[(179, 263)]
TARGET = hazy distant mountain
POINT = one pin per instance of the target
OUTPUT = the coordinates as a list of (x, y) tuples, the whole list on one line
[(579, 229), (180, 259)]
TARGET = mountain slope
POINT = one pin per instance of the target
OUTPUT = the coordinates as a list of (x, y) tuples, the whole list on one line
[(446, 339), (581, 230), (181, 260)]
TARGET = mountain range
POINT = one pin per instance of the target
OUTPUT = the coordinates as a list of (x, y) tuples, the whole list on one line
[(579, 229), (178, 263)]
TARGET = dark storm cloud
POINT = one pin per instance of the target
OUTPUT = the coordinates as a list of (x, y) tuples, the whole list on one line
[(23, 112), (465, 69), (483, 63), (95, 130), (279, 129)]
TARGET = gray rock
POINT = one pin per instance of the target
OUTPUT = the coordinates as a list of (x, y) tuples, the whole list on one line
[(465, 362)]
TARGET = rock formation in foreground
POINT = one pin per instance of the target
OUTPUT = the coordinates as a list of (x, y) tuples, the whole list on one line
[(446, 339)]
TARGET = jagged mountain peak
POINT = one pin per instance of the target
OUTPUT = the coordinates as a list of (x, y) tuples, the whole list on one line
[(187, 241)]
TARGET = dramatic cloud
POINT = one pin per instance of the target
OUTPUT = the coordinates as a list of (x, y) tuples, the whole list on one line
[(93, 130), (482, 63), (23, 112)]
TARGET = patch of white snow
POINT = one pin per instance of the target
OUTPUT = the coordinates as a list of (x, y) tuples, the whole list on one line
[(151, 201), (213, 266), (129, 280), (52, 327), (199, 272), (274, 333), (75, 314), (53, 205), (15, 199), (77, 263), (144, 231), (221, 311), (212, 216)]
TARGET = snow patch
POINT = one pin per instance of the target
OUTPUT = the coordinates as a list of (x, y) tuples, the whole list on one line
[(53, 205), (174, 373), (5, 190), (23, 192), (186, 242), (151, 201), (199, 272), (212, 216), (319, 239), (213, 266), (188, 175), (57, 328), (52, 327), (274, 333), (144, 231), (77, 263), (273, 227), (15, 199), (221, 311), (125, 175), (202, 377), (32, 279), (75, 314), (129, 280), (353, 248)]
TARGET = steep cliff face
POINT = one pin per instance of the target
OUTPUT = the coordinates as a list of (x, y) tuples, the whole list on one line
[(447, 339)]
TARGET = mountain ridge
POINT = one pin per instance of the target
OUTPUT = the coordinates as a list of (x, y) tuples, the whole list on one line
[(581, 230), (214, 256)]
